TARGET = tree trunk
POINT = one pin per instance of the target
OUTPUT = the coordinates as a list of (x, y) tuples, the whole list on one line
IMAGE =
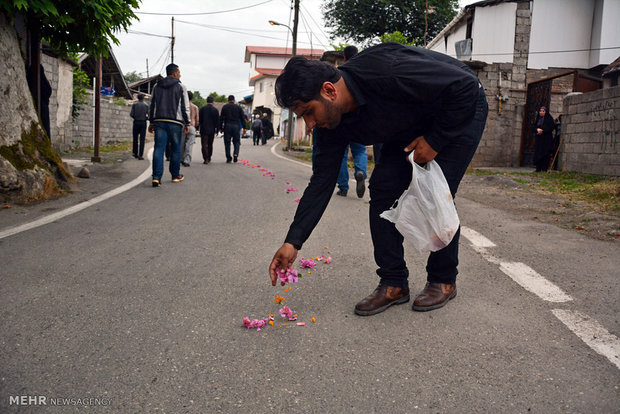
[(30, 169)]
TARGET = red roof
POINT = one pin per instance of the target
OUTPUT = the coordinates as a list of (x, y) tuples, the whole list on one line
[(280, 51), (263, 73)]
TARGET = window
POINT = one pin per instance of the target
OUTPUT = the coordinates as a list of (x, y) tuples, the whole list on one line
[(260, 86)]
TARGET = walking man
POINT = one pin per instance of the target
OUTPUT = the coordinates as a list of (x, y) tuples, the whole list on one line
[(256, 127), (231, 119), (209, 121), (169, 116), (139, 113), (409, 99), (266, 130), (360, 162), (187, 142)]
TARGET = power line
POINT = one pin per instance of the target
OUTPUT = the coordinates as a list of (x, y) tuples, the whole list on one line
[(204, 13), (315, 23), (307, 27), (147, 34), (248, 32), (161, 56), (164, 62)]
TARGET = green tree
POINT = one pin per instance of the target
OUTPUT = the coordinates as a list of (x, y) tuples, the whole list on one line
[(198, 100), (75, 25), (132, 76), (364, 21), (218, 98), (396, 37), (80, 82)]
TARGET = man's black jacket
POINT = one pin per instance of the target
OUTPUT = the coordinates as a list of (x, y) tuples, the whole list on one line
[(208, 119), (402, 92)]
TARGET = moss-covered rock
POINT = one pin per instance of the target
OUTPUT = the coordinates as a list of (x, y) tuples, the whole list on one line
[(30, 169)]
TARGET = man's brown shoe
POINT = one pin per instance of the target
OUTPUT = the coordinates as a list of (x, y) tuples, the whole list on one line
[(382, 298), (433, 296)]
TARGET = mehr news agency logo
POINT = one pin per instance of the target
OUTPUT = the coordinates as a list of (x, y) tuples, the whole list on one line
[(42, 400)]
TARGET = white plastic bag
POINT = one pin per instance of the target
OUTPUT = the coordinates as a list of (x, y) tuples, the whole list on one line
[(425, 213)]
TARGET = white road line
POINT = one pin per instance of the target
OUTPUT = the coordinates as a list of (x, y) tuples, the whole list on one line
[(476, 238), (531, 281), (273, 151), (592, 333), (78, 207)]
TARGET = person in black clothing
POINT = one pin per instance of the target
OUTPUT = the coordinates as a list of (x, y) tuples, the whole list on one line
[(139, 113), (231, 120), (209, 121), (46, 93), (266, 130), (407, 98), (543, 143)]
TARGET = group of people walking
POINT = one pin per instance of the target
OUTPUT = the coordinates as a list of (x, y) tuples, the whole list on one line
[(175, 120), (262, 129)]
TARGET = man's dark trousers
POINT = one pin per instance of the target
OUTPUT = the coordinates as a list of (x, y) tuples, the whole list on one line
[(232, 131), (392, 176), (206, 144), (139, 130)]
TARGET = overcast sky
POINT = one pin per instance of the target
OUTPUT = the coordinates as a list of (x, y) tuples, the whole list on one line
[(209, 48)]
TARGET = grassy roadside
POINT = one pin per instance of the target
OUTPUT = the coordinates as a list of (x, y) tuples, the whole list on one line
[(602, 192)]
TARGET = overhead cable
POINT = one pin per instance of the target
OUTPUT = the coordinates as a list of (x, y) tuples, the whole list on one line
[(203, 13)]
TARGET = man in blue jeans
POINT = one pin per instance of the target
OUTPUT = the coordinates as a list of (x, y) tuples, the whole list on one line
[(406, 98), (169, 115), (360, 162)]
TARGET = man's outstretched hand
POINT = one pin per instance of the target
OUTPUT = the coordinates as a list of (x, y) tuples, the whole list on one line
[(283, 259), (423, 151)]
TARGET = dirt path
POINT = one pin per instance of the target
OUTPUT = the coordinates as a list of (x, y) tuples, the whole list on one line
[(502, 192)]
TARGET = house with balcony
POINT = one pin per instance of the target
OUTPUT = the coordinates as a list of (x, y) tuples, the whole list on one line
[(529, 53), (266, 64)]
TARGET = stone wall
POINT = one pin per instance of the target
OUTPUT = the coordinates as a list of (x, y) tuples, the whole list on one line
[(115, 123), (591, 131), (60, 76), (495, 145)]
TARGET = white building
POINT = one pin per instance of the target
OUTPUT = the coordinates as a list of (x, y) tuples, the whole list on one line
[(530, 53), (579, 34), (266, 64)]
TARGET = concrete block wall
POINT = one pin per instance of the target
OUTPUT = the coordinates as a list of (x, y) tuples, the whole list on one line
[(591, 132), (115, 123)]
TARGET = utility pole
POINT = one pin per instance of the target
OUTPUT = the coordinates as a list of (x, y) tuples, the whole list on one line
[(97, 92), (172, 43), (147, 67), (289, 129), (425, 22)]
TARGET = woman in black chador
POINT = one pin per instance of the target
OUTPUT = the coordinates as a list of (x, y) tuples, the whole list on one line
[(543, 144)]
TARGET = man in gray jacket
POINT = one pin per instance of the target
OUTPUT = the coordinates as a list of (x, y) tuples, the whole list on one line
[(169, 116)]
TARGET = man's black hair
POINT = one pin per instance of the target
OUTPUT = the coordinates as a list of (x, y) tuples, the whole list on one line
[(302, 79), (190, 95), (231, 97), (349, 52), (210, 99), (171, 68), (140, 97)]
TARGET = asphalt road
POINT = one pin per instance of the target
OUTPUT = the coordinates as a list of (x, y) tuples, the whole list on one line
[(136, 304)]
